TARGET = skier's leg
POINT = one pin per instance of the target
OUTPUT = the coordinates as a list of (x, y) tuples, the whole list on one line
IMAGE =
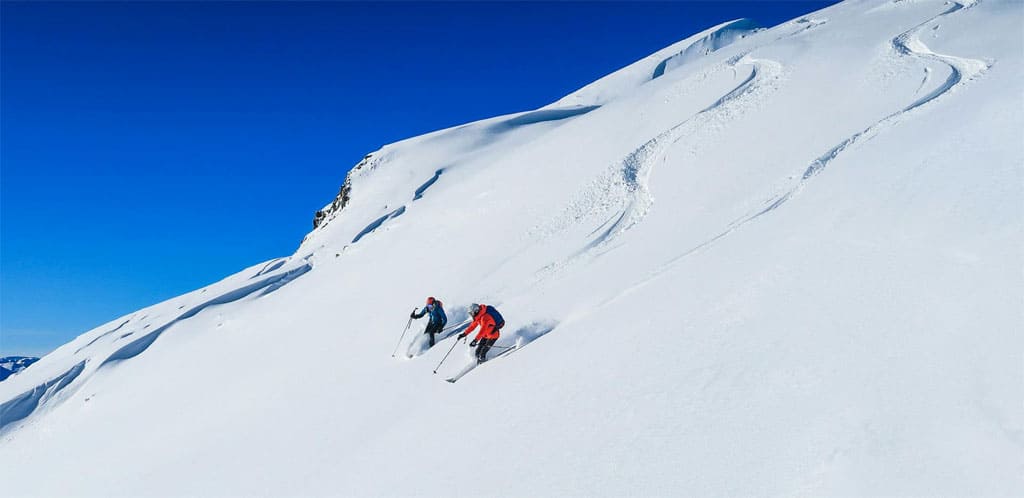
[(481, 352), (431, 330), (485, 346)]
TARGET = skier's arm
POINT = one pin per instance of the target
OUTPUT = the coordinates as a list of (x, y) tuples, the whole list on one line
[(471, 327), (420, 314)]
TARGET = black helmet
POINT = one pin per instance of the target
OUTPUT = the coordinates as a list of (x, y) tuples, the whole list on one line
[(474, 309)]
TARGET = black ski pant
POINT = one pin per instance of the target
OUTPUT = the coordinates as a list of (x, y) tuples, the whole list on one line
[(433, 328), (482, 347)]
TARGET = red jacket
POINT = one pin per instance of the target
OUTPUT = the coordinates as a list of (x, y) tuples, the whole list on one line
[(483, 319)]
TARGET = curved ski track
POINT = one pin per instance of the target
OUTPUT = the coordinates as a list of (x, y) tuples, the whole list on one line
[(906, 44), (630, 176)]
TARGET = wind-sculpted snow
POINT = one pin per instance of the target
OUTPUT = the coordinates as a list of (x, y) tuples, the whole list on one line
[(22, 406), (375, 224), (101, 336), (686, 52), (265, 285), (423, 188), (542, 116), (270, 267), (715, 40)]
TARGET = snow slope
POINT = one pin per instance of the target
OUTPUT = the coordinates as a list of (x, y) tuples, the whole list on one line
[(780, 261)]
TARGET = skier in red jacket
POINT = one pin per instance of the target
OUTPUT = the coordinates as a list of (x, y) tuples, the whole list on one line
[(490, 323)]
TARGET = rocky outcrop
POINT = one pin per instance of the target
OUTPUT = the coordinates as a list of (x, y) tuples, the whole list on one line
[(339, 203), (322, 216)]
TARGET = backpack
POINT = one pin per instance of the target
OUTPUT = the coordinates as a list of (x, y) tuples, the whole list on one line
[(498, 320), (439, 313)]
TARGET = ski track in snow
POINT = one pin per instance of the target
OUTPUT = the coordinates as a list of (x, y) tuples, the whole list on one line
[(629, 179), (520, 338), (906, 44), (420, 343)]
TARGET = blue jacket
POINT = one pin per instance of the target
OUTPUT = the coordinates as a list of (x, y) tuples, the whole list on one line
[(436, 313)]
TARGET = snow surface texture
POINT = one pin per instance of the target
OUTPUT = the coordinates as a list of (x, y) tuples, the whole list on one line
[(780, 261)]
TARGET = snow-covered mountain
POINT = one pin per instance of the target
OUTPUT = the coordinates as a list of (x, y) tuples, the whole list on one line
[(761, 261), (10, 365)]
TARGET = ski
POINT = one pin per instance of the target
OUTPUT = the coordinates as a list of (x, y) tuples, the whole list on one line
[(468, 368), (462, 372)]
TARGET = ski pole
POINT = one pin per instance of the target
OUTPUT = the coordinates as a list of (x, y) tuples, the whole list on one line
[(407, 324), (446, 329), (448, 353)]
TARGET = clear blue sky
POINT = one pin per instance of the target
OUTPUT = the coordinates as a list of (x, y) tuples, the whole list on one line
[(147, 149)]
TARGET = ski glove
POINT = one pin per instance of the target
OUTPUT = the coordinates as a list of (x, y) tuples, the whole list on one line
[(412, 315), (473, 344)]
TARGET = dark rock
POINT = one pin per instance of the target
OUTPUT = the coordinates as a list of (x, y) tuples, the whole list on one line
[(322, 216)]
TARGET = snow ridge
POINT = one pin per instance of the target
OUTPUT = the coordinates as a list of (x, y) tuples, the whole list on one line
[(714, 41), (21, 406)]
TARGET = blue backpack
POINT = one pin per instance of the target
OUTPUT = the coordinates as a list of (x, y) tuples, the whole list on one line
[(498, 320), (437, 314)]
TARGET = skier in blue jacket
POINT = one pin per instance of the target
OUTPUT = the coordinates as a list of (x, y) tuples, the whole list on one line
[(438, 319)]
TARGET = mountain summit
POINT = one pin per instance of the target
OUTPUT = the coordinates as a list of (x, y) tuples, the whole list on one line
[(761, 261)]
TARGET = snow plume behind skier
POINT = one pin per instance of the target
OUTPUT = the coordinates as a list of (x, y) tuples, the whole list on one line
[(490, 323), (438, 319)]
